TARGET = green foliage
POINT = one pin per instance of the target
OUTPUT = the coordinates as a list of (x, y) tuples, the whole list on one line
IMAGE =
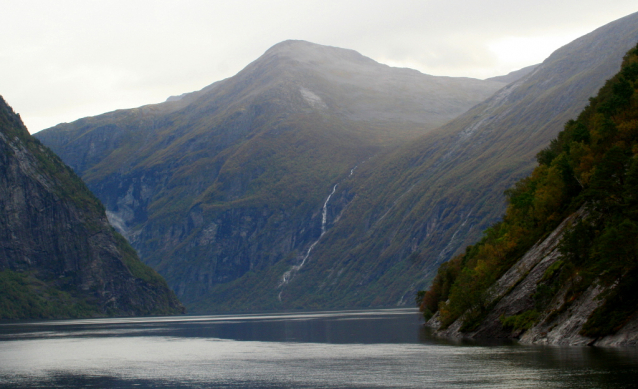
[(552, 281), (619, 305), (24, 297), (522, 321), (592, 162), (137, 268)]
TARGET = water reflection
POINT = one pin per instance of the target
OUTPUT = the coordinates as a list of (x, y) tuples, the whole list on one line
[(374, 326), (360, 349)]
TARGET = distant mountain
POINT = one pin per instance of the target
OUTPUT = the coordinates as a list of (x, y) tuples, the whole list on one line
[(59, 257), (225, 188), (515, 75), (405, 213), (562, 266)]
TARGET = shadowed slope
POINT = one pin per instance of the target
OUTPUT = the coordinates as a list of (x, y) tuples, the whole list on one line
[(59, 257)]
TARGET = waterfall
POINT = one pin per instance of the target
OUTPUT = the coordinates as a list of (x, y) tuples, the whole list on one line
[(324, 216), (288, 275)]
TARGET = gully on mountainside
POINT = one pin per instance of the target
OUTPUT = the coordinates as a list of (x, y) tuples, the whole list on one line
[(288, 275)]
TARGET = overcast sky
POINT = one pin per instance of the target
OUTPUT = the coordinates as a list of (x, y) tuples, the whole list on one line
[(66, 59)]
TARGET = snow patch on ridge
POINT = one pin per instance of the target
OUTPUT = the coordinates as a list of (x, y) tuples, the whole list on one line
[(312, 99)]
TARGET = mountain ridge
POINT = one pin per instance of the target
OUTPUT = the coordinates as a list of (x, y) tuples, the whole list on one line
[(231, 180), (560, 268), (242, 194), (442, 189)]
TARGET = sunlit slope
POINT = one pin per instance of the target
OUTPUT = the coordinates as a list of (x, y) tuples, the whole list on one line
[(229, 182), (428, 200)]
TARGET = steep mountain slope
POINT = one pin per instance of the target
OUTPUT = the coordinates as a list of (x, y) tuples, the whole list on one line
[(225, 186), (577, 284), (416, 208), (59, 257), (515, 75)]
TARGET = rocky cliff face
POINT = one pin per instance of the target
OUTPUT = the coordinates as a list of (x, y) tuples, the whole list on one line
[(223, 190), (561, 322), (56, 241)]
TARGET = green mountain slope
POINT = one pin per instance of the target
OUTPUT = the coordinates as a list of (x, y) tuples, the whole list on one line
[(223, 189), (417, 207), (588, 276), (59, 257)]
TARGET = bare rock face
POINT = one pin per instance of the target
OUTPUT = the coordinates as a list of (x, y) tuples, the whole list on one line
[(55, 237), (560, 323)]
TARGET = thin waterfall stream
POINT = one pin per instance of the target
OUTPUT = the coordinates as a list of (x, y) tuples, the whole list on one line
[(287, 276), (294, 269)]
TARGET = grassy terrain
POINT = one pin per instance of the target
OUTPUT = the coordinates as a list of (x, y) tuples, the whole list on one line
[(24, 296), (222, 192), (424, 202)]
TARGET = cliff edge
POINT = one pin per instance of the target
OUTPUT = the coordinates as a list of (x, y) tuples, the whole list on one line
[(59, 256)]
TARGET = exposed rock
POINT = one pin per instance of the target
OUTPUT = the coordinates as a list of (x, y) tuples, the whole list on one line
[(55, 232), (560, 323)]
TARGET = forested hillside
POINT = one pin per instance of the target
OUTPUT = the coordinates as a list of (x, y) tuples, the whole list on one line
[(588, 173)]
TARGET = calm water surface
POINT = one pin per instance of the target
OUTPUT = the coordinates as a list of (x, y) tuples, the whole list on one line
[(351, 349)]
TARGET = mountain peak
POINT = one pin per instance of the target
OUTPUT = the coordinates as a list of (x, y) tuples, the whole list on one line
[(313, 53)]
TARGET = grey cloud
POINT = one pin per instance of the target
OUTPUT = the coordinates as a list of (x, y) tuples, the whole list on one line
[(74, 58)]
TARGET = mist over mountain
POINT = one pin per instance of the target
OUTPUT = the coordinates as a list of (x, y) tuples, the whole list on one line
[(515, 75), (225, 190), (317, 178), (431, 198), (59, 257)]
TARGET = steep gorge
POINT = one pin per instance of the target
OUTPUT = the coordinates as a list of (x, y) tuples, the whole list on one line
[(222, 190), (425, 202)]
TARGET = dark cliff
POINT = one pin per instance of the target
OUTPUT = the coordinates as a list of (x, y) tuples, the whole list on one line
[(59, 256)]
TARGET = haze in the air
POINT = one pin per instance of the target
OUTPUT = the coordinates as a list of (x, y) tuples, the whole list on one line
[(68, 59)]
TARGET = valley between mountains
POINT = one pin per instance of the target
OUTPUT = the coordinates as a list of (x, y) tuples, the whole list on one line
[(225, 190), (317, 178)]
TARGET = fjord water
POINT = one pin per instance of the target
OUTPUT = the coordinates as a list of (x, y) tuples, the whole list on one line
[(345, 349)]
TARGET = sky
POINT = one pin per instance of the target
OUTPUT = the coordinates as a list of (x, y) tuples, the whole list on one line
[(67, 59)]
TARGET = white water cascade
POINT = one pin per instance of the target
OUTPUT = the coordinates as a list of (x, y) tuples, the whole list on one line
[(294, 269)]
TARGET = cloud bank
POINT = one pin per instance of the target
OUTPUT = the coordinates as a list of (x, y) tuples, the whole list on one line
[(63, 60)]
